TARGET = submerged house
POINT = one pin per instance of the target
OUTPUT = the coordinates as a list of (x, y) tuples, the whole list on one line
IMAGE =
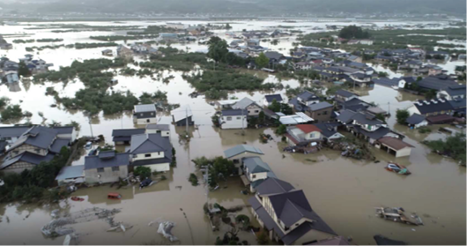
[(106, 167), (255, 172), (233, 119), (35, 145), (151, 150), (286, 214), (162, 129), (239, 152), (320, 112), (182, 117), (303, 134), (249, 106), (144, 114), (268, 99), (123, 136)]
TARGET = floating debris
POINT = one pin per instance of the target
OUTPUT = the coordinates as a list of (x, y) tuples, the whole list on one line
[(165, 229), (397, 215)]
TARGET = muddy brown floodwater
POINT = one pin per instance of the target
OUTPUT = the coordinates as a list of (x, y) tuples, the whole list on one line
[(344, 192)]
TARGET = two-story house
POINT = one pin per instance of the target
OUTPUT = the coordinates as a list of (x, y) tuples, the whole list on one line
[(238, 153), (106, 167), (320, 112), (162, 129), (144, 114), (233, 119), (362, 79), (151, 150), (343, 95), (249, 106), (35, 145), (303, 134), (286, 214), (256, 171)]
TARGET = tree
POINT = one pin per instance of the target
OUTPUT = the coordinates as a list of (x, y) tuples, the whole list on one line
[(217, 49), (143, 172), (353, 31), (402, 115), (12, 112), (261, 61), (282, 129), (275, 106), (263, 238), (4, 101), (431, 94), (227, 26), (23, 70)]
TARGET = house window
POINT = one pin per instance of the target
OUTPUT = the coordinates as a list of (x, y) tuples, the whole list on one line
[(229, 118), (319, 114), (152, 113), (256, 111), (147, 120), (135, 156), (147, 155), (238, 118), (141, 114), (115, 169), (37, 150), (15, 152), (325, 112), (254, 176), (100, 170)]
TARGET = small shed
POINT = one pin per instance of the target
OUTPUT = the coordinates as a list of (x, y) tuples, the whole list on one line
[(416, 121), (182, 117), (70, 175), (394, 146)]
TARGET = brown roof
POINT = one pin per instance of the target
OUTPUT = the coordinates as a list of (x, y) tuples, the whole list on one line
[(394, 143)]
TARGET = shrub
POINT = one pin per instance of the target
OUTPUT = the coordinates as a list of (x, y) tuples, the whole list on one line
[(193, 179), (12, 112), (142, 172)]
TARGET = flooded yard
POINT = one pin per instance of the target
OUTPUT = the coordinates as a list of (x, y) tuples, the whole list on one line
[(343, 191)]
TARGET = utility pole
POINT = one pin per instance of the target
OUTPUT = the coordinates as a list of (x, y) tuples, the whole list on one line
[(243, 127), (90, 126), (389, 108), (186, 119)]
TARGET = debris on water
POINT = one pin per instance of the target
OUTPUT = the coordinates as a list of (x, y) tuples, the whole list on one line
[(54, 213), (178, 187), (413, 229), (165, 229), (56, 227), (397, 215)]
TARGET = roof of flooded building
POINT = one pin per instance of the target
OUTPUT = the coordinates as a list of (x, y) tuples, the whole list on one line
[(271, 98), (243, 103), (240, 149), (93, 162), (181, 113), (346, 116), (345, 93), (12, 131), (127, 132), (436, 83), (415, 119), (327, 129), (162, 127), (70, 172), (307, 128), (378, 133), (233, 112), (149, 143), (273, 186), (256, 165), (394, 143), (64, 129), (433, 106), (141, 108), (307, 96), (58, 144), (319, 106), (387, 81), (27, 157), (339, 240), (37, 136)]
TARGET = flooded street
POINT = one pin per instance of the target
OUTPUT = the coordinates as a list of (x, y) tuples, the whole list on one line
[(343, 191)]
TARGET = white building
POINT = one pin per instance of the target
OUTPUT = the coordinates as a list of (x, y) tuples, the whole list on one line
[(233, 119), (162, 129), (151, 150)]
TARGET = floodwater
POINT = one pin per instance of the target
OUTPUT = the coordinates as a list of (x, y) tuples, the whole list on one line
[(344, 192)]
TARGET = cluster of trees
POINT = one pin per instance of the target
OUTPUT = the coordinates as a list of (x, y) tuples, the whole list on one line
[(4, 101), (32, 185), (193, 179), (23, 41), (11, 112), (142, 172), (280, 107), (219, 53), (226, 80), (45, 40), (353, 31), (453, 146), (71, 46), (94, 100), (158, 96), (219, 168)]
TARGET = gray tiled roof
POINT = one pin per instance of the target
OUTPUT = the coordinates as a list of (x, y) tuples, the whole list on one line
[(243, 103), (436, 83), (37, 136), (273, 186), (12, 131), (58, 144), (377, 134), (127, 132), (456, 90), (233, 112), (27, 157), (148, 143), (64, 129), (346, 116), (319, 106), (240, 149), (415, 119), (290, 207), (345, 93), (256, 165), (120, 159), (271, 98), (433, 107), (307, 96)]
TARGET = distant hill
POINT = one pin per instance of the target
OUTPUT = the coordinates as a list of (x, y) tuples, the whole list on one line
[(247, 7)]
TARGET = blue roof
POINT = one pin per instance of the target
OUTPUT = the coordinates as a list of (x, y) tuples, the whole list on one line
[(271, 98), (70, 172), (256, 165)]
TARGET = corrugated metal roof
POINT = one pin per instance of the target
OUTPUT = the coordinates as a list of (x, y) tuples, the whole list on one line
[(140, 108), (70, 172), (240, 149)]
